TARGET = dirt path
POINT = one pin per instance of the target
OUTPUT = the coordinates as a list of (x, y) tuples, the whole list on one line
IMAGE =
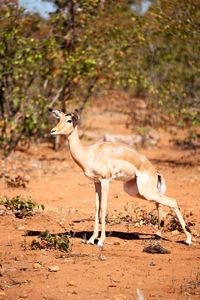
[(86, 272)]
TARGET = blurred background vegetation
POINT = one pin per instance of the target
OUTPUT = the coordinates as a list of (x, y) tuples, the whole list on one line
[(88, 49)]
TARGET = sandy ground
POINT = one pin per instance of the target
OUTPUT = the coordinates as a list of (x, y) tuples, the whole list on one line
[(121, 267)]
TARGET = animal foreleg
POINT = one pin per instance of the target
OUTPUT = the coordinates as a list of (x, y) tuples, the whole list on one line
[(97, 209), (104, 198)]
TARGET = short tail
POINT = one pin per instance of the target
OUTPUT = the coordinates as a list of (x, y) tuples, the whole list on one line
[(161, 184)]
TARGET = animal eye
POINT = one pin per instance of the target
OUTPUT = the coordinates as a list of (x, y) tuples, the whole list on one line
[(69, 121)]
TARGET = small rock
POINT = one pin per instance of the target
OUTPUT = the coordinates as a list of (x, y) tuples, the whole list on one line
[(54, 269), (175, 232), (25, 296), (116, 243), (112, 285), (21, 228), (66, 165), (137, 139), (118, 138), (27, 177), (154, 136), (152, 263), (102, 257), (36, 266), (71, 283), (2, 271), (119, 297), (72, 211), (35, 164), (2, 212), (141, 222), (156, 249)]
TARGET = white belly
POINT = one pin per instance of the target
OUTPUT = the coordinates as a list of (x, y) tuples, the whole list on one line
[(122, 176)]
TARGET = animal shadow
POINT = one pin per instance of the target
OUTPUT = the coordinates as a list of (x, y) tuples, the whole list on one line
[(119, 234)]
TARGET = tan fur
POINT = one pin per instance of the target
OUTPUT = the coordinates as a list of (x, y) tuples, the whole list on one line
[(103, 162)]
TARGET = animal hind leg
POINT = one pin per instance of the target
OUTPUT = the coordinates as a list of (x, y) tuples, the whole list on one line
[(160, 221), (131, 188), (161, 199), (149, 191)]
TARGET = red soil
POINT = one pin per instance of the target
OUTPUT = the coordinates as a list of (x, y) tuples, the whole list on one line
[(86, 272)]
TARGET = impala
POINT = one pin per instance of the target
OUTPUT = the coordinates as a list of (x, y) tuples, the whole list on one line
[(105, 161)]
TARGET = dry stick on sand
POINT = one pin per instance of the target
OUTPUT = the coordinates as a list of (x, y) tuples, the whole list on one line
[(102, 162)]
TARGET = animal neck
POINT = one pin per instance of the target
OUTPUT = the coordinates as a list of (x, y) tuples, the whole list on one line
[(77, 150)]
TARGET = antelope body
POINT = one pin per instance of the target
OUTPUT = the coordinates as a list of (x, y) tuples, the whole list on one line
[(105, 161)]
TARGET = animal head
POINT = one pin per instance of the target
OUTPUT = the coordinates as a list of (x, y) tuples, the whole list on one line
[(66, 124)]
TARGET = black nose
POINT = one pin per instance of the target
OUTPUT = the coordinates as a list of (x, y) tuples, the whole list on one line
[(52, 131)]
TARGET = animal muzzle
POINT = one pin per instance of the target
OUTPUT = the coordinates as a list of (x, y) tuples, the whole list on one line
[(53, 132)]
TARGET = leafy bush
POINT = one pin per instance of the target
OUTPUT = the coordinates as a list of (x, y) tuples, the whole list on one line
[(52, 241), (15, 182), (72, 57), (20, 207)]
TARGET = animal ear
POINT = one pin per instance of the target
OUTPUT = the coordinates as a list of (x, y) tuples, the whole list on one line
[(56, 114), (75, 117)]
